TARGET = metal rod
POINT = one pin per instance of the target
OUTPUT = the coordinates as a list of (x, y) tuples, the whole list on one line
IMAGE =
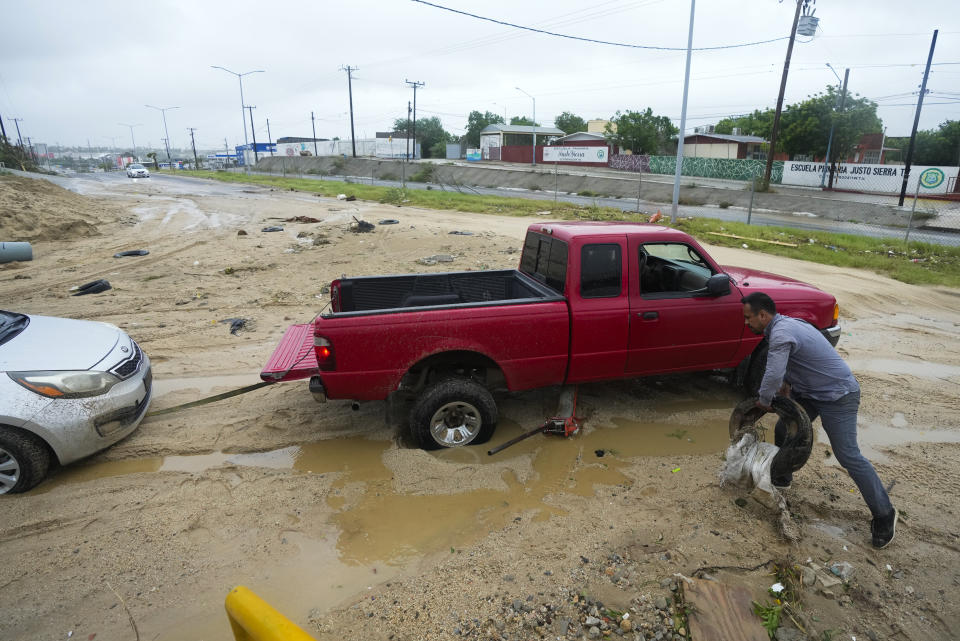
[(683, 121)]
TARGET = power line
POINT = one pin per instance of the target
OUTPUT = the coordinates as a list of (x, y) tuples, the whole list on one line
[(601, 42)]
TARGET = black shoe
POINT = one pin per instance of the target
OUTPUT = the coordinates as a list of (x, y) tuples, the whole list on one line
[(782, 483), (883, 529)]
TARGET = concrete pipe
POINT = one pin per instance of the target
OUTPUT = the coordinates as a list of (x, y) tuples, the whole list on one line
[(10, 252)]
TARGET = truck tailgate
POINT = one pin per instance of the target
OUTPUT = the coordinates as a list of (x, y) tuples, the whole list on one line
[(294, 357)]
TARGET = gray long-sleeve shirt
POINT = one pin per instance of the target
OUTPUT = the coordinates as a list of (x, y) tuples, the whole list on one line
[(800, 355)]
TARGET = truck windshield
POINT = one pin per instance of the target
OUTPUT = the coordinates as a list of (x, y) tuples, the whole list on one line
[(545, 259)]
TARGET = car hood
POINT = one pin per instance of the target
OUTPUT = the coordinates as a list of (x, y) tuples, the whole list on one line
[(49, 343), (761, 281)]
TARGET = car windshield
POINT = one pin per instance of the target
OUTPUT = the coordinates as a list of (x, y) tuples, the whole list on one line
[(136, 166), (11, 324)]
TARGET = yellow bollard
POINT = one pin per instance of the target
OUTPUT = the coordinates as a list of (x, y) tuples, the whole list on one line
[(253, 619)]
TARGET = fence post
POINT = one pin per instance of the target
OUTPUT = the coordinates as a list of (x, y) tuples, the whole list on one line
[(639, 185), (753, 190), (556, 180), (906, 238)]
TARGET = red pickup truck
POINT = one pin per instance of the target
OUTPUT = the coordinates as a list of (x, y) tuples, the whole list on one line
[(590, 302)]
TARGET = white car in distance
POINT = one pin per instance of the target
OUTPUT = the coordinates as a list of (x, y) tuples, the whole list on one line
[(68, 388), (136, 170)]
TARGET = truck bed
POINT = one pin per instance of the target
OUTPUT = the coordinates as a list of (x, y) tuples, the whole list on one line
[(408, 292)]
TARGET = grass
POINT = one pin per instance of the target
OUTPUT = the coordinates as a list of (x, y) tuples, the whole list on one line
[(936, 264)]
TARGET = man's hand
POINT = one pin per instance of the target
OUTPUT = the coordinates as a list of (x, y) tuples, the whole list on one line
[(765, 408)]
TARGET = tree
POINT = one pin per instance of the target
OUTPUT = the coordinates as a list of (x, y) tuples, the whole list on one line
[(642, 132), (805, 126), (430, 134), (524, 121), (759, 123), (153, 156), (940, 146), (476, 122), (570, 123)]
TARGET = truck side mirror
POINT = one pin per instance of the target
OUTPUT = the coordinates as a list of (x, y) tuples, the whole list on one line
[(718, 285)]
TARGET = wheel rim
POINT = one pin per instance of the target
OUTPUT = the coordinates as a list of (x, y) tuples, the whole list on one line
[(9, 471), (455, 424)]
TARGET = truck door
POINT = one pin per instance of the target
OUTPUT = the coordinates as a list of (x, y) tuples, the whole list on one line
[(674, 324), (600, 313)]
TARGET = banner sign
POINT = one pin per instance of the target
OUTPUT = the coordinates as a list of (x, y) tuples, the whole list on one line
[(575, 154), (876, 178), (473, 155)]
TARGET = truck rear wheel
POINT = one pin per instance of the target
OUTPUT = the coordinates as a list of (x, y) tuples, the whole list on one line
[(453, 412), (756, 368)]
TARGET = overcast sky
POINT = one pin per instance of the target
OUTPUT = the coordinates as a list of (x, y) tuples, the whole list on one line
[(74, 70)]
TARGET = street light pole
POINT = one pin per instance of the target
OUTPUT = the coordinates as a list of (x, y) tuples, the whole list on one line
[(534, 123), (123, 124), (243, 115), (164, 110)]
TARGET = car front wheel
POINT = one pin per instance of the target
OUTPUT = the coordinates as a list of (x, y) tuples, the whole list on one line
[(452, 413), (24, 460)]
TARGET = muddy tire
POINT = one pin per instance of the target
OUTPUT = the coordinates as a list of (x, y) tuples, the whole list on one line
[(24, 460), (797, 445), (756, 368), (453, 412)]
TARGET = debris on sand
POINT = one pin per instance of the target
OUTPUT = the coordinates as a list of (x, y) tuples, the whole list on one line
[(302, 219), (93, 287), (132, 252), (272, 228), (237, 324), (361, 226)]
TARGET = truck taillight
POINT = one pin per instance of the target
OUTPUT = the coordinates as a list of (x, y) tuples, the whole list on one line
[(836, 312), (326, 359)]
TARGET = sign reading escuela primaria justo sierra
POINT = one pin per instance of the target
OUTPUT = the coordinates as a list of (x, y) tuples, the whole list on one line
[(575, 154), (876, 178)]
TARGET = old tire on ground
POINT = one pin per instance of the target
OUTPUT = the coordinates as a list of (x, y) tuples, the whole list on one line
[(24, 460), (797, 445), (453, 412)]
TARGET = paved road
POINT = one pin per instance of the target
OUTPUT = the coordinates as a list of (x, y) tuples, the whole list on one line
[(100, 184), (732, 214)]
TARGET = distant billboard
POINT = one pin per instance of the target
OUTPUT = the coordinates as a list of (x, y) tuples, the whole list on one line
[(597, 155)]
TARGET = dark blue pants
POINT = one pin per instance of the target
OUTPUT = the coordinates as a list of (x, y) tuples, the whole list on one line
[(839, 420)]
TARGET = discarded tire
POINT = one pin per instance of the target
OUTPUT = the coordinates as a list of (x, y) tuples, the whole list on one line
[(132, 252), (93, 287), (797, 445)]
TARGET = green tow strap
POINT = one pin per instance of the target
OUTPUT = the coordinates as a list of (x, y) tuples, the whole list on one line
[(210, 399)]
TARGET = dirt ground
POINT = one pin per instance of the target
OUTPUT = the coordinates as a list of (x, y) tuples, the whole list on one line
[(329, 516)]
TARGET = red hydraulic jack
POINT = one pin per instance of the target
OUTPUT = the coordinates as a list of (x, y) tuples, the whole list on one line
[(564, 424)]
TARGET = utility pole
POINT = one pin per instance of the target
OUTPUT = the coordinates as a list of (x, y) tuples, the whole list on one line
[(783, 88), (353, 138), (196, 163), (17, 121), (226, 147), (414, 84), (253, 134), (916, 119), (269, 138), (3, 130), (843, 101), (315, 152), (683, 122), (408, 131)]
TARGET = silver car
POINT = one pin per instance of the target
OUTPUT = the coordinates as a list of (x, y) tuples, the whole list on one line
[(136, 170), (68, 389)]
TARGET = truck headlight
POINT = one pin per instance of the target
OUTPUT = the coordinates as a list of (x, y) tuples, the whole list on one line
[(81, 384)]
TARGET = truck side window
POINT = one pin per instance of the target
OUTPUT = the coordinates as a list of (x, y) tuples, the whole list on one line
[(672, 270), (545, 259), (600, 270)]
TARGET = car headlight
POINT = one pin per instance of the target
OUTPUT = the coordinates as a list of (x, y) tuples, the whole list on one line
[(66, 384)]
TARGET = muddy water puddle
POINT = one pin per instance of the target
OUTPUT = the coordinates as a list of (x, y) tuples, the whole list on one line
[(918, 368)]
